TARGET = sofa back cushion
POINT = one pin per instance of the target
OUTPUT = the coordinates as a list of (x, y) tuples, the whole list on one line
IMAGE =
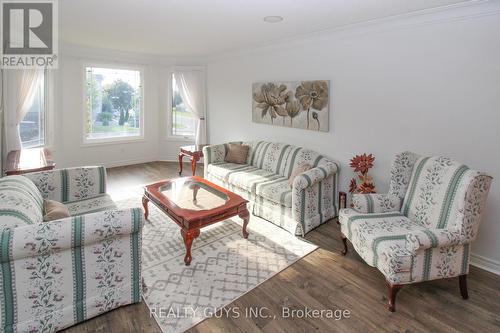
[(269, 156), (435, 192), (20, 202)]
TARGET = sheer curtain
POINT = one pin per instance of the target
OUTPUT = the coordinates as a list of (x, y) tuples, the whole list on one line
[(23, 88), (191, 86)]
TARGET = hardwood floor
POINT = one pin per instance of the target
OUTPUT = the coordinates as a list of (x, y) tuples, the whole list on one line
[(322, 280)]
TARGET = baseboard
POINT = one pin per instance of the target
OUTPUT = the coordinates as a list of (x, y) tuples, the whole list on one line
[(130, 162), (487, 264)]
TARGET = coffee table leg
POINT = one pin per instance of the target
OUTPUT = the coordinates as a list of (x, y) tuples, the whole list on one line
[(145, 205), (195, 192), (189, 236), (181, 155), (246, 217)]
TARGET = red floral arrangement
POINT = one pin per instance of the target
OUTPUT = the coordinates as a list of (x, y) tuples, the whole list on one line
[(361, 164)]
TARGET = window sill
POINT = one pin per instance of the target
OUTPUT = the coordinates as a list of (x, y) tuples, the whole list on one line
[(112, 141), (179, 138)]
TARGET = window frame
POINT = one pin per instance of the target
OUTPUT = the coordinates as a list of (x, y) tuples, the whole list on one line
[(111, 140), (170, 135), (47, 85)]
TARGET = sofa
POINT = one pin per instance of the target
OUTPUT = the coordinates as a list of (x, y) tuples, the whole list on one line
[(58, 273), (264, 181), (422, 229)]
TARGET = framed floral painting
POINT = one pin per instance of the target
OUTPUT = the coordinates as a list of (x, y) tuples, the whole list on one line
[(300, 104)]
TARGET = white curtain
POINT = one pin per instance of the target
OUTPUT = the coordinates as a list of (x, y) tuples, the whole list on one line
[(192, 90), (23, 88)]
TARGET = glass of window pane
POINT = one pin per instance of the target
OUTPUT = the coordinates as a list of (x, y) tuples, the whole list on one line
[(113, 103), (183, 121), (32, 127)]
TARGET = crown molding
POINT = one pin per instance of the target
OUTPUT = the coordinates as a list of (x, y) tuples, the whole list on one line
[(461, 11), (89, 52)]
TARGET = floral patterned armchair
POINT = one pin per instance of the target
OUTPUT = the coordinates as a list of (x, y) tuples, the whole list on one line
[(58, 273), (422, 229)]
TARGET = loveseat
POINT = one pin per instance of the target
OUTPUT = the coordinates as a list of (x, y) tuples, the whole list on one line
[(264, 181), (58, 273)]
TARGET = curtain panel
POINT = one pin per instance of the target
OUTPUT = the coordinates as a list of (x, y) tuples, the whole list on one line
[(23, 86), (191, 86)]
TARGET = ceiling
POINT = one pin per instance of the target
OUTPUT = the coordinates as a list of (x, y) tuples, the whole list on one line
[(206, 27)]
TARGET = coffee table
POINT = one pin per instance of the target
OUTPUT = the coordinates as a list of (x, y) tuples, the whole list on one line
[(194, 203)]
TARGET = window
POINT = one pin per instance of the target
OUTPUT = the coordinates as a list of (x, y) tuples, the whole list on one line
[(183, 122), (113, 109), (32, 127)]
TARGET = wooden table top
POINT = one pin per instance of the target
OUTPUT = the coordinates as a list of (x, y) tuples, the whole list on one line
[(193, 149), (172, 203), (29, 160)]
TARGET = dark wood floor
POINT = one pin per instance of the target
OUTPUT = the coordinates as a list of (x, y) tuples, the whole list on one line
[(322, 280)]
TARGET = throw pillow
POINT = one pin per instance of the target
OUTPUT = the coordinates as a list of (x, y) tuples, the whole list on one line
[(297, 171), (54, 210), (237, 153)]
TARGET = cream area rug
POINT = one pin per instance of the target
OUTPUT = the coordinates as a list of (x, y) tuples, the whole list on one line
[(224, 267)]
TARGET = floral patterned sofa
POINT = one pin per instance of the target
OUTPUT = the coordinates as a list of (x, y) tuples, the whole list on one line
[(263, 180), (58, 273), (422, 229)]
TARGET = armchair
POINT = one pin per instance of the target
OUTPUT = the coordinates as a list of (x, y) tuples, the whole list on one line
[(422, 229), (59, 273)]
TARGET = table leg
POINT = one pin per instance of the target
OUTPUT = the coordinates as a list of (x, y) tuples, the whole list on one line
[(195, 192), (145, 205), (181, 155), (245, 215), (189, 236), (194, 160)]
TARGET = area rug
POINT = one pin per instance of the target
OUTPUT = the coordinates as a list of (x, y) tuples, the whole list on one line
[(224, 266)]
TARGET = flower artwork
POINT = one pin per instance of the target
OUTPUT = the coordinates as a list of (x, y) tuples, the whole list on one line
[(302, 104), (361, 165)]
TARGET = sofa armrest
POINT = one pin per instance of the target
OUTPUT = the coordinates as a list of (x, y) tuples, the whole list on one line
[(376, 203), (70, 184), (312, 176), (432, 238), (78, 231)]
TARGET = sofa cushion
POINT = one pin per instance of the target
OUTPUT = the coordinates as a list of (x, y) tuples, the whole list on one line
[(277, 191), (20, 202), (248, 179), (54, 210), (237, 153), (368, 231), (222, 170), (96, 204), (300, 156)]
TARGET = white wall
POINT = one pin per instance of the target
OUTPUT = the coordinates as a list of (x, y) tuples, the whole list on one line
[(429, 84), (66, 133)]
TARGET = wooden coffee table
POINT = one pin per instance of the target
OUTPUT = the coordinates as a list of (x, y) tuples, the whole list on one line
[(194, 203)]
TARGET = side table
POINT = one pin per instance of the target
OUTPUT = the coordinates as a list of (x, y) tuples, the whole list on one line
[(28, 160), (195, 152)]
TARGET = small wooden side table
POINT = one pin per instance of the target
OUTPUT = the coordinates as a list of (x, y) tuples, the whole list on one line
[(29, 160), (195, 152)]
